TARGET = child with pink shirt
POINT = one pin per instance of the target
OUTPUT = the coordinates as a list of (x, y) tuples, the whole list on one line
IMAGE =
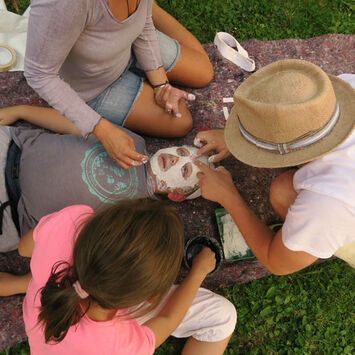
[(102, 283)]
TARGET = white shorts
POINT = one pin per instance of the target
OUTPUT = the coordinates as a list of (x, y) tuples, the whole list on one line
[(210, 318), (9, 238)]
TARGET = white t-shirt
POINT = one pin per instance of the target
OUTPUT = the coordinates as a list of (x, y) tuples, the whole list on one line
[(322, 218)]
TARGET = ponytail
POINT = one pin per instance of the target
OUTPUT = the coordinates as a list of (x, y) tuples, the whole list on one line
[(60, 303)]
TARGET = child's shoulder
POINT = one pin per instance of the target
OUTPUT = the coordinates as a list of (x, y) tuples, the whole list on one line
[(60, 227), (75, 211), (54, 238), (68, 219)]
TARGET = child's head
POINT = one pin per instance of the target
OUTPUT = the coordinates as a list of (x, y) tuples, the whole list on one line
[(174, 172), (124, 255)]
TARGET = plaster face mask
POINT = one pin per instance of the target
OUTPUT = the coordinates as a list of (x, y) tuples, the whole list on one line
[(174, 168)]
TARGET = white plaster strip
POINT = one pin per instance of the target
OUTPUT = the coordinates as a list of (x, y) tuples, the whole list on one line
[(230, 48), (225, 113)]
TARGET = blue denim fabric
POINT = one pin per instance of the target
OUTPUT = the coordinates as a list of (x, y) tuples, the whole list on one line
[(12, 173), (116, 101)]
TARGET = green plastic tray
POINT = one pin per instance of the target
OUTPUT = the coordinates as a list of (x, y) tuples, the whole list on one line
[(220, 212)]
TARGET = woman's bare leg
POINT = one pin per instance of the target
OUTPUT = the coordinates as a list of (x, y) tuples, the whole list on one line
[(195, 347), (282, 193), (148, 118), (193, 67), (190, 70), (13, 284)]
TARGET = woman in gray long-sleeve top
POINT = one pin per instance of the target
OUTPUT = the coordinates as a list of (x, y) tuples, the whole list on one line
[(89, 58)]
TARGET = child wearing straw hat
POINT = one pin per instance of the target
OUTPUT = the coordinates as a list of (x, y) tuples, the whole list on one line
[(287, 114)]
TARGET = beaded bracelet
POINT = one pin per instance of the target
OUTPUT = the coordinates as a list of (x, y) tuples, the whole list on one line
[(160, 85)]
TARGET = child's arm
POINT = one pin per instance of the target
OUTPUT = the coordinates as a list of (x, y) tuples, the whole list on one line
[(14, 284), (48, 118), (26, 245), (268, 247), (179, 302)]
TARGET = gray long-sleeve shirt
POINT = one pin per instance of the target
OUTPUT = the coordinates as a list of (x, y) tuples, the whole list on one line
[(77, 48)]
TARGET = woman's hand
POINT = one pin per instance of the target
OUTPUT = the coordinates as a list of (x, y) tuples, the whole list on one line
[(118, 144), (213, 140), (204, 262), (168, 98), (216, 185), (9, 115)]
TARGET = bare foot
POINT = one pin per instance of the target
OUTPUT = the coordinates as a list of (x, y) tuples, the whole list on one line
[(13, 284)]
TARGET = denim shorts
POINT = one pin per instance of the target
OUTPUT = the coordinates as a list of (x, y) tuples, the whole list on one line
[(116, 101)]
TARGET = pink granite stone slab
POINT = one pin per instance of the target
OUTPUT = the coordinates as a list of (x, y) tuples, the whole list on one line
[(334, 53)]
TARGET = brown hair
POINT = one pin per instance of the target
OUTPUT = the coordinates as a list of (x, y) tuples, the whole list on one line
[(124, 255)]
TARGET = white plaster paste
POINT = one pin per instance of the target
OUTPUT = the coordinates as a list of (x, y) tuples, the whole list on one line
[(173, 178), (233, 241), (198, 142)]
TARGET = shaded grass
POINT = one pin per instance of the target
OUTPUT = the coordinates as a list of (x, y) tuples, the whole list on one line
[(17, 6), (311, 312), (261, 19)]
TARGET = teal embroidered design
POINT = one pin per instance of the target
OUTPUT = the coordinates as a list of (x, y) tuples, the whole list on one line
[(105, 178)]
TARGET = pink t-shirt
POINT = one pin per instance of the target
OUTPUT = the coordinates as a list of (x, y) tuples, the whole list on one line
[(54, 239)]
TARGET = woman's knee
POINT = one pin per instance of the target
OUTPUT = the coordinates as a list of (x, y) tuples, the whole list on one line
[(193, 69), (183, 125), (207, 72)]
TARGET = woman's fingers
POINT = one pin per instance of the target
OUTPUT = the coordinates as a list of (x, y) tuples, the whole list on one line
[(129, 157), (190, 97), (216, 158), (206, 148), (203, 167), (168, 97), (119, 145)]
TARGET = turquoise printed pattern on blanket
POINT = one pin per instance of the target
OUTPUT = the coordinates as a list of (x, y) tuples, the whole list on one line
[(105, 178)]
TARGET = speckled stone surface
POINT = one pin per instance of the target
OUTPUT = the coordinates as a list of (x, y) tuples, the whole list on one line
[(334, 53)]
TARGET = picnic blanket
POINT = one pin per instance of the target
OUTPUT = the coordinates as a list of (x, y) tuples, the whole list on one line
[(334, 53)]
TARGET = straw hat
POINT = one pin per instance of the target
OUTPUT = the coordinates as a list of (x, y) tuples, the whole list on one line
[(288, 113)]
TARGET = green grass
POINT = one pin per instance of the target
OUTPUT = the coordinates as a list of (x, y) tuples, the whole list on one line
[(261, 19), (310, 312), (18, 6)]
